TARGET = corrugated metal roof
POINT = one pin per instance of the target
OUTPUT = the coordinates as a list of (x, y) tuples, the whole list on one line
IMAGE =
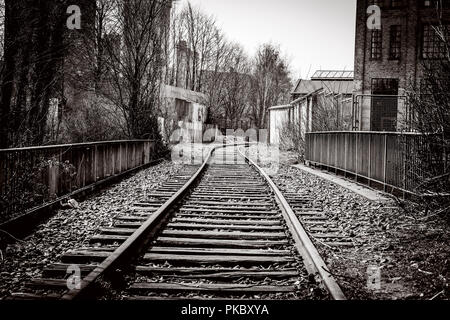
[(305, 87)]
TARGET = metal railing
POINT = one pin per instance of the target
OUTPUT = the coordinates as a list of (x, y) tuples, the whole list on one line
[(31, 177), (386, 158)]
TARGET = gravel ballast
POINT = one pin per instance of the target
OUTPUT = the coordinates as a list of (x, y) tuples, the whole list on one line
[(410, 252), (72, 228), (408, 248)]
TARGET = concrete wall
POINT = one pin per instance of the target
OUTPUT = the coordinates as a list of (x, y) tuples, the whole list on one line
[(170, 92), (184, 110)]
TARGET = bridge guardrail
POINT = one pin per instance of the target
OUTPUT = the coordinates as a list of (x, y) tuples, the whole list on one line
[(389, 159), (31, 177)]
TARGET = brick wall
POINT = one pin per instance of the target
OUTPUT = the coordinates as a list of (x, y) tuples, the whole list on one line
[(410, 17)]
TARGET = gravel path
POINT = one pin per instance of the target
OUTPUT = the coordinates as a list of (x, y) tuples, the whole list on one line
[(71, 228)]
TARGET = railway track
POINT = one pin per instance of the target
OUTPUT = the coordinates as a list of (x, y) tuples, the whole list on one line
[(217, 230)]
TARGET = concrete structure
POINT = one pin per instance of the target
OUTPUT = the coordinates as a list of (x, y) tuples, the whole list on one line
[(280, 117), (184, 110), (388, 61)]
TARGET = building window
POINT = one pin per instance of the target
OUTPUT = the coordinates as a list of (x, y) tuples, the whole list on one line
[(395, 42), (376, 45), (396, 3), (384, 105), (434, 44), (436, 4), (377, 3), (182, 109), (384, 86)]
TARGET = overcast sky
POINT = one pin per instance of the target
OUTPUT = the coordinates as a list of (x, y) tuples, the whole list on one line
[(313, 34)]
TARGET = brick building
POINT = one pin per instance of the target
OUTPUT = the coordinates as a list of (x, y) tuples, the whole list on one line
[(388, 60)]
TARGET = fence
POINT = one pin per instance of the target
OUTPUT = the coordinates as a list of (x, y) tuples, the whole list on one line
[(388, 159), (30, 177)]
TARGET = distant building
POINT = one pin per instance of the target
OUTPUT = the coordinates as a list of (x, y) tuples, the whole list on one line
[(184, 110), (279, 118), (323, 103), (330, 80), (388, 61)]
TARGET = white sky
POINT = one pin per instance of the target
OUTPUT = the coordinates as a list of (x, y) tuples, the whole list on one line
[(313, 34)]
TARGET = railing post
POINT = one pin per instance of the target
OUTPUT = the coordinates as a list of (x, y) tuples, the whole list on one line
[(346, 135), (316, 149), (127, 156), (192, 152), (147, 152), (104, 163), (113, 156), (133, 162), (369, 169), (223, 151), (328, 151), (95, 163), (120, 157), (321, 149), (336, 139), (356, 156), (307, 148), (84, 163), (53, 173), (235, 150), (406, 142), (385, 163)]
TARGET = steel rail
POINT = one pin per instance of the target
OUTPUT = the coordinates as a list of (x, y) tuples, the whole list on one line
[(313, 261), (145, 233), (138, 239)]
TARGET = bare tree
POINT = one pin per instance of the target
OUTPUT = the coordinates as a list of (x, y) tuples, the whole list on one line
[(272, 83), (237, 87), (197, 30), (212, 64), (33, 55), (86, 87), (429, 103), (135, 62), (2, 29)]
